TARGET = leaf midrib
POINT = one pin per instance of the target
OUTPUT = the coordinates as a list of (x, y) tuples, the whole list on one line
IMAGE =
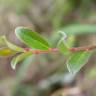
[(26, 36)]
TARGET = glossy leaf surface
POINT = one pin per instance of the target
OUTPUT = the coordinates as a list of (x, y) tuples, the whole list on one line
[(31, 39)]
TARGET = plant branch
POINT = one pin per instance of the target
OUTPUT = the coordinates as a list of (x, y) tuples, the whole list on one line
[(84, 48), (50, 50)]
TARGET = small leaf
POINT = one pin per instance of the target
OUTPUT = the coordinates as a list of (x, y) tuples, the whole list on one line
[(63, 47), (70, 40), (80, 29), (19, 58), (1, 41), (12, 46), (31, 39), (6, 51), (77, 60)]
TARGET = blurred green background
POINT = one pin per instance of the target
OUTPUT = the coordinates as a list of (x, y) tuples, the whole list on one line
[(46, 74)]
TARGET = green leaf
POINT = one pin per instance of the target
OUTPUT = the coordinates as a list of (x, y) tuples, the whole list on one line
[(6, 51), (80, 29), (12, 46), (31, 39), (70, 40), (1, 41), (63, 47), (19, 58), (77, 60)]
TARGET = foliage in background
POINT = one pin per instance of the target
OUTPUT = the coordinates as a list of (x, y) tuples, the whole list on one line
[(69, 16)]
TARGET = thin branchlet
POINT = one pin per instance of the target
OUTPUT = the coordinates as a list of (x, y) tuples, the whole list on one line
[(51, 50)]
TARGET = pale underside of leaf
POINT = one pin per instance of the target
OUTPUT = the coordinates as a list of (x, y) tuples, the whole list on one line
[(12, 46), (19, 58), (77, 60)]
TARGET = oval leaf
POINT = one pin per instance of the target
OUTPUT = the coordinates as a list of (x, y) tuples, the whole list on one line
[(12, 46), (19, 58), (63, 47), (31, 39), (77, 60), (6, 51), (70, 40)]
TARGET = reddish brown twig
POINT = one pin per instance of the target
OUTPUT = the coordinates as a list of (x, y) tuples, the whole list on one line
[(50, 50), (37, 51), (84, 48)]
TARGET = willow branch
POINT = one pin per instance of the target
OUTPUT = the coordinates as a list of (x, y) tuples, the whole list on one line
[(51, 50)]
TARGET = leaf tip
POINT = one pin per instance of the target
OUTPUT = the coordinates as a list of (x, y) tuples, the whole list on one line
[(63, 34), (13, 66), (18, 28)]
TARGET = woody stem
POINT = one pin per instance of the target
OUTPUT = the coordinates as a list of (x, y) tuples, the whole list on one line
[(50, 50)]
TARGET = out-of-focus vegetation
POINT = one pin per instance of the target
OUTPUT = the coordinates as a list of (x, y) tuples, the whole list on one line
[(46, 74)]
